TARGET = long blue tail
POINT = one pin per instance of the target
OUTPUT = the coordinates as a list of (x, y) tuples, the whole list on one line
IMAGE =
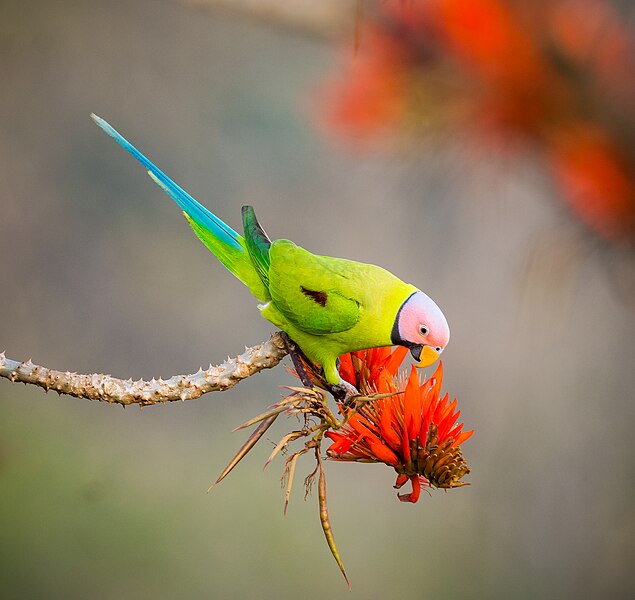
[(197, 212), (225, 243)]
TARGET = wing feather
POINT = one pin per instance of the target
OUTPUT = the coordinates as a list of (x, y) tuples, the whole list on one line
[(312, 292)]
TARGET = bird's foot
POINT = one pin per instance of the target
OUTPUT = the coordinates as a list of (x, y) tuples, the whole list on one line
[(344, 393)]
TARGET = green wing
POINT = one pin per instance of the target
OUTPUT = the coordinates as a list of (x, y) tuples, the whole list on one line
[(314, 293), (258, 243)]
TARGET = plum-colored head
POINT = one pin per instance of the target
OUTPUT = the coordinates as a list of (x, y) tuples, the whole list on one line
[(421, 326)]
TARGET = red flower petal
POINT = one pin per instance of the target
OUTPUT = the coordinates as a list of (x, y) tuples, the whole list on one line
[(412, 406), (416, 490), (387, 426)]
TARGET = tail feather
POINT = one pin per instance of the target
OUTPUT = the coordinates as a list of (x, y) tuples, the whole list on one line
[(258, 243), (225, 243), (196, 211)]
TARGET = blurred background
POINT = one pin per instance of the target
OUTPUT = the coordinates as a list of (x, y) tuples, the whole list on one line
[(486, 155)]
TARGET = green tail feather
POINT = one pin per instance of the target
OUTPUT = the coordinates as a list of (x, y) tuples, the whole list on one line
[(238, 262), (258, 243)]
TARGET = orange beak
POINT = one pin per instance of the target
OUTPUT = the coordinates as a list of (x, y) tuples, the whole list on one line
[(428, 357)]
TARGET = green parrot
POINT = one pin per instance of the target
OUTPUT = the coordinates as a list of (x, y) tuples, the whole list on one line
[(327, 306)]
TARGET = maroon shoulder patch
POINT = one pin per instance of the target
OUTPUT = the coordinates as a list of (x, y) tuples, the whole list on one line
[(319, 297)]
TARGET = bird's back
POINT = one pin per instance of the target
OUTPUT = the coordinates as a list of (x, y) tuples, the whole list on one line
[(326, 295)]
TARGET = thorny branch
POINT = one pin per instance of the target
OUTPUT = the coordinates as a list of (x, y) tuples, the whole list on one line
[(107, 388), (303, 401)]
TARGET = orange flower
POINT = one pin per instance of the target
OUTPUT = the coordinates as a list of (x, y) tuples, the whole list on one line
[(594, 176), (414, 431), (552, 77), (371, 97)]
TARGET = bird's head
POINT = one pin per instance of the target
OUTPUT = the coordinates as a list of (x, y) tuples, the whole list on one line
[(421, 326)]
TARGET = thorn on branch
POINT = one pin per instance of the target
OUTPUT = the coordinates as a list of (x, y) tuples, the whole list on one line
[(106, 388)]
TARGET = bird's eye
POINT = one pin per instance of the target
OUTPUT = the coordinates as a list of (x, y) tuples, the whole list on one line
[(423, 330)]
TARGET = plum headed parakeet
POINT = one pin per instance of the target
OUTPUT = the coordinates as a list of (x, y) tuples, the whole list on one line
[(327, 306)]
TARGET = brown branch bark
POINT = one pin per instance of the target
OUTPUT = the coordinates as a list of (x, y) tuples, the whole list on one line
[(107, 388)]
